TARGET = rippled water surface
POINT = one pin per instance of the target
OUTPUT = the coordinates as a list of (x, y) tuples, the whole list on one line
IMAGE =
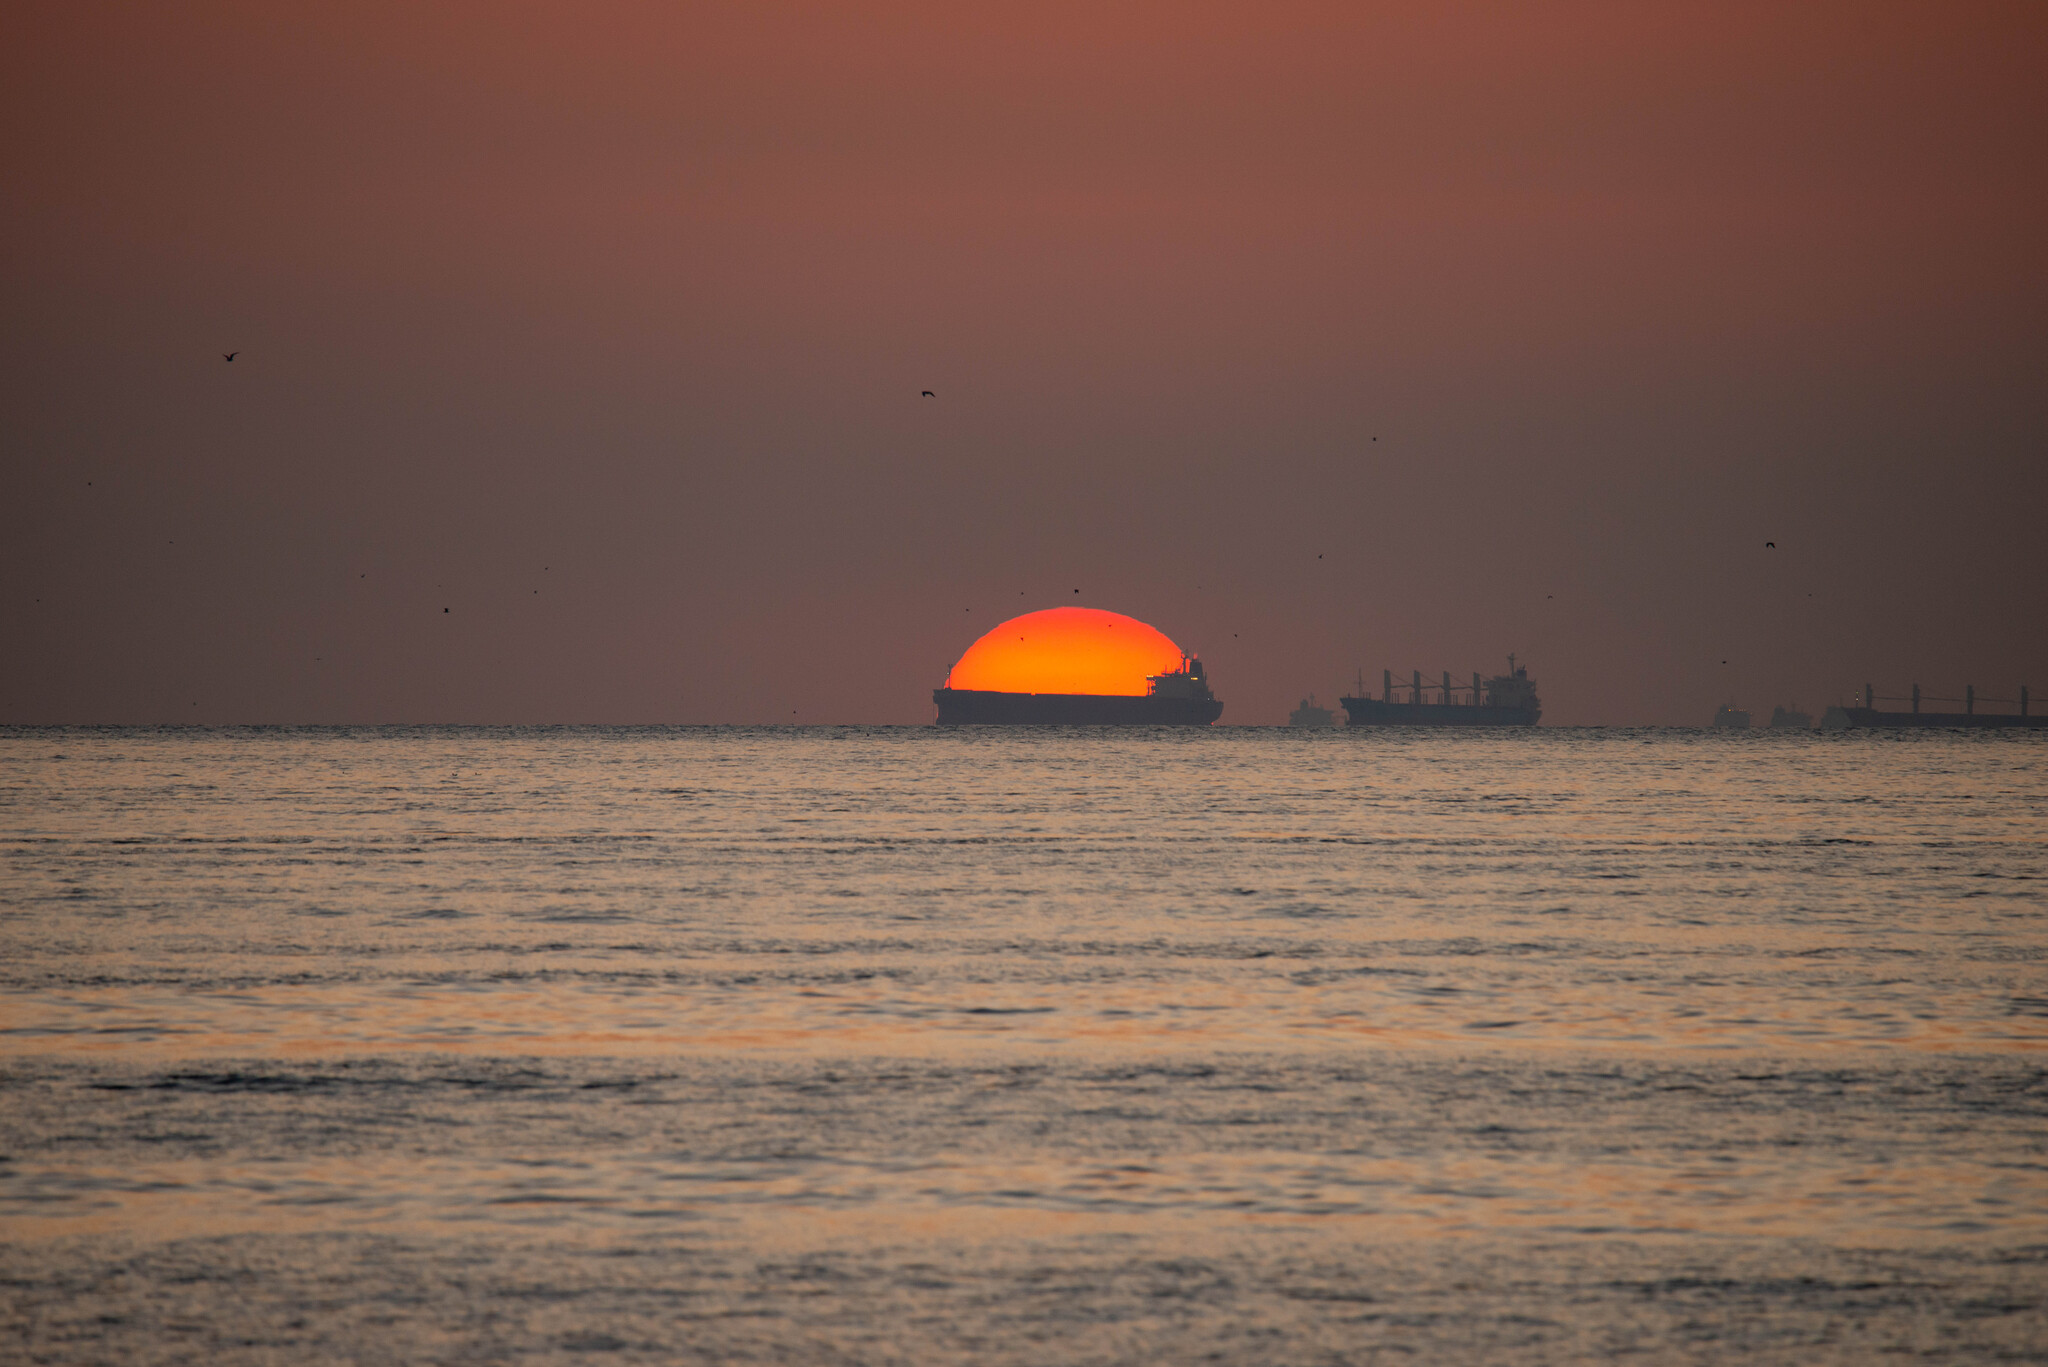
[(900, 1045)]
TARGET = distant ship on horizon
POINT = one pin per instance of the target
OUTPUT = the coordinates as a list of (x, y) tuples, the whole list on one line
[(1851, 716), (1504, 700), (1311, 714), (1076, 666), (1869, 714), (1180, 697)]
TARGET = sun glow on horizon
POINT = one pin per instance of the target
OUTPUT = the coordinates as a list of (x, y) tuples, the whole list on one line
[(1067, 650)]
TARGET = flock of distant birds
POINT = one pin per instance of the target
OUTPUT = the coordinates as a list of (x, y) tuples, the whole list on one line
[(930, 394)]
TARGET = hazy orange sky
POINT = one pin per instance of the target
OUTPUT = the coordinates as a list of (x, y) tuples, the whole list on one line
[(581, 351)]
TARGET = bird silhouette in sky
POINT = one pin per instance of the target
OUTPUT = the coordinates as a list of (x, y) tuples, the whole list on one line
[(929, 395), (229, 355), (1770, 545)]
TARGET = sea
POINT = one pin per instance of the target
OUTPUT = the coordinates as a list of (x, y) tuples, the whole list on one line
[(993, 1046)]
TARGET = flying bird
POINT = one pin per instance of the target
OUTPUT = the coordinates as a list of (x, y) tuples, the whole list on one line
[(1770, 545), (229, 355), (929, 395)]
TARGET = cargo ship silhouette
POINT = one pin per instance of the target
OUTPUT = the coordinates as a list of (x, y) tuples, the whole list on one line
[(1311, 713), (1504, 700), (1076, 667), (1870, 715)]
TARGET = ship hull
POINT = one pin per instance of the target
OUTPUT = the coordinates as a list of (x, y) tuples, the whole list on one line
[(1871, 717), (1374, 712), (975, 707)]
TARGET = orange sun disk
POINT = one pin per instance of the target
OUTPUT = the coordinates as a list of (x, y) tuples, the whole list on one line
[(1067, 650)]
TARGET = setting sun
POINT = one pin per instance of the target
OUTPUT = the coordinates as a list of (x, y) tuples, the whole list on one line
[(1067, 650)]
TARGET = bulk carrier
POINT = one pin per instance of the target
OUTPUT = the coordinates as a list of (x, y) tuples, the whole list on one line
[(1869, 715), (1178, 698), (1504, 700)]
